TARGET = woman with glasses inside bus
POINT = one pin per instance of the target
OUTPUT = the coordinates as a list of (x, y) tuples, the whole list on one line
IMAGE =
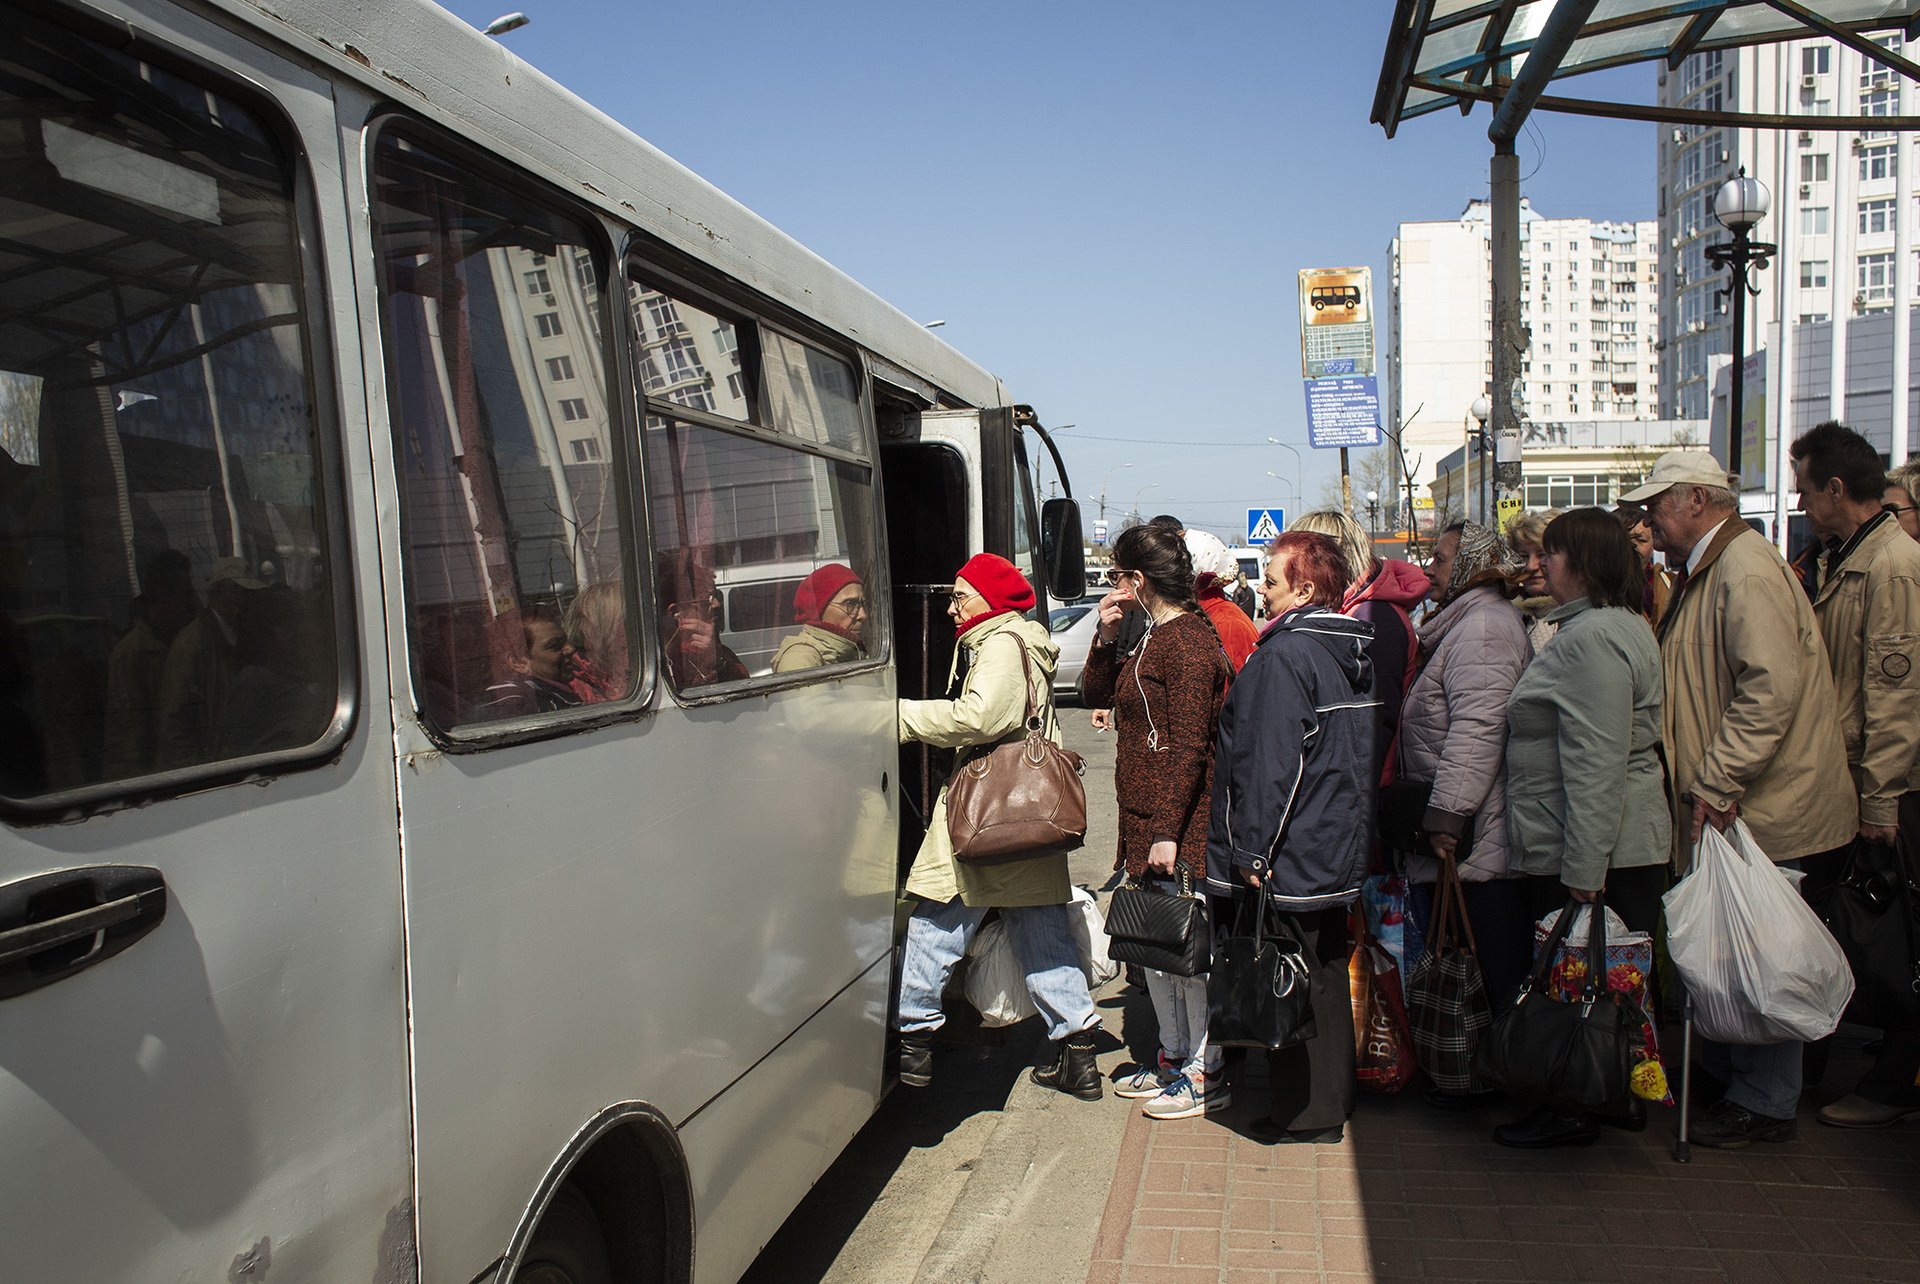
[(1166, 699), (831, 608), (1009, 661)]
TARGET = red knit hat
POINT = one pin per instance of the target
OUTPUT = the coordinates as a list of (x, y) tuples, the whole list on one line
[(811, 598), (999, 581)]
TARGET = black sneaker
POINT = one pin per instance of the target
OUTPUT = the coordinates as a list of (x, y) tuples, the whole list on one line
[(1728, 1126), (916, 1061)]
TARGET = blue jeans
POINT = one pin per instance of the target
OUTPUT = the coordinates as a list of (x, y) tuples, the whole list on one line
[(937, 937)]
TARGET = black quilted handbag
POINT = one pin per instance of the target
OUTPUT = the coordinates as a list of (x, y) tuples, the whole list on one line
[(1575, 1057), (1160, 930), (1258, 989)]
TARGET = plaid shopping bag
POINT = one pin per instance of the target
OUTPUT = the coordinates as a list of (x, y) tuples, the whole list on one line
[(1447, 1004)]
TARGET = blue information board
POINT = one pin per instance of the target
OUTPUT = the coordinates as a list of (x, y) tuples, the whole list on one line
[(1343, 411)]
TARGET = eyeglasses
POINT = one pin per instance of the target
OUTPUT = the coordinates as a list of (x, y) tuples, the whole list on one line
[(956, 598), (1897, 509), (857, 606)]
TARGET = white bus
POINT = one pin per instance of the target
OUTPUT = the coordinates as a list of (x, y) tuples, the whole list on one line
[(351, 927)]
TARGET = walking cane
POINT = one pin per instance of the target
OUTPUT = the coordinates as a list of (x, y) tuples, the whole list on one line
[(1681, 1151)]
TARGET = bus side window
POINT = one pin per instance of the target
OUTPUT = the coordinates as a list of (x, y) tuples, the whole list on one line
[(748, 525), (167, 601), (493, 305)]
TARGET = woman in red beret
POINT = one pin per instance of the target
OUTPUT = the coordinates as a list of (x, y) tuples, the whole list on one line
[(1011, 660), (831, 609)]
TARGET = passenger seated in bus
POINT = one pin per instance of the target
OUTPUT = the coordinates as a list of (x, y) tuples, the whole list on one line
[(279, 698), (689, 626), (130, 736), (533, 665), (597, 631), (831, 608), (199, 671)]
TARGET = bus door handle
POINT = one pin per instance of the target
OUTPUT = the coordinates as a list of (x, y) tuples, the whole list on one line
[(54, 925)]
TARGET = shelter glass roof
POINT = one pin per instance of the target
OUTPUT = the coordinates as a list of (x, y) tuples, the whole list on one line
[(1444, 53)]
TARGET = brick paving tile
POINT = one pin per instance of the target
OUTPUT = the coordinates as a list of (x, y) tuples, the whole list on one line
[(1417, 1194)]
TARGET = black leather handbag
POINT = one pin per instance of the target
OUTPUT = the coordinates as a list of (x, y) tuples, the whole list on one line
[(1402, 813), (1874, 913), (1158, 929), (1257, 989), (1575, 1057)]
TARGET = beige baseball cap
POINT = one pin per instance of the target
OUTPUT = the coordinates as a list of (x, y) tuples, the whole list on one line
[(1679, 468)]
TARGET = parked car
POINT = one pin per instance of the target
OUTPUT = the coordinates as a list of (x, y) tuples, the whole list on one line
[(1073, 627)]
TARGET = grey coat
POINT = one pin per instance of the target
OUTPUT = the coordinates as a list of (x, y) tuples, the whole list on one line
[(1453, 726), (1584, 788)]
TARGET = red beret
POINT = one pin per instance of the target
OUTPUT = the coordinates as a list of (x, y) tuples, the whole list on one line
[(999, 581), (811, 598)]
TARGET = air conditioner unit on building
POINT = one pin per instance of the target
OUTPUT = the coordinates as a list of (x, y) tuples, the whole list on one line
[(1679, 135), (1807, 83), (1806, 189), (1725, 155), (1859, 143), (1806, 136)]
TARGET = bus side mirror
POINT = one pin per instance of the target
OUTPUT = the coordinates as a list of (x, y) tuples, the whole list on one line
[(1062, 552)]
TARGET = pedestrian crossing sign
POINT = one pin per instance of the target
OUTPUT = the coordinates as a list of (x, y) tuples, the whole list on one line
[(1265, 524)]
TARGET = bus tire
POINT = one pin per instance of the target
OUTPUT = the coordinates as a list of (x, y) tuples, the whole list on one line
[(568, 1247)]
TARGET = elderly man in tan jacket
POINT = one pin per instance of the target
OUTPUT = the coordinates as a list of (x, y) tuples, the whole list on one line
[(1868, 606), (1750, 731)]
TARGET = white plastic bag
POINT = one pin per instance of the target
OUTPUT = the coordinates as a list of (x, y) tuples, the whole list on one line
[(996, 982), (1090, 935), (1758, 963)]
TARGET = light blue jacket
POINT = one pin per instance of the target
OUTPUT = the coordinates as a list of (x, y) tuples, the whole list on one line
[(1584, 790)]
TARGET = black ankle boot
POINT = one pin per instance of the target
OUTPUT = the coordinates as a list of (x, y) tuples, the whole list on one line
[(916, 1060), (1073, 1071)]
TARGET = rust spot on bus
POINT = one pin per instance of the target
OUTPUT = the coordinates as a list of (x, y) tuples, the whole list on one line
[(251, 1266)]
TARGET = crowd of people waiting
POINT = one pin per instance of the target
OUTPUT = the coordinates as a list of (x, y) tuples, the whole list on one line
[(1569, 713)]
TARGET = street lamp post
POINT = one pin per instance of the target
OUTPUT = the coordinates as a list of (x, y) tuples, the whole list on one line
[(1103, 488), (1373, 516), (1482, 410), (1739, 205), (1293, 491), (1137, 516)]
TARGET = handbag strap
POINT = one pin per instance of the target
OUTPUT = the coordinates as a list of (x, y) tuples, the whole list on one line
[(1596, 949), (1450, 912), (1543, 962)]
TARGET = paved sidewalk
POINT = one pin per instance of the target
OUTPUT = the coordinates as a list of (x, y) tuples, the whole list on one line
[(1416, 1193)]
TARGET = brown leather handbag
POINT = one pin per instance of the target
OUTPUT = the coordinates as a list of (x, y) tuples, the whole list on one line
[(1020, 799)]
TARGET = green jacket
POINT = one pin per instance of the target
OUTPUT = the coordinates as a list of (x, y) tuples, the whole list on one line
[(1584, 788), (991, 709)]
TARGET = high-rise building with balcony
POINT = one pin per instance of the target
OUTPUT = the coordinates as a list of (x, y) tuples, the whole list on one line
[(1587, 295), (1834, 197)]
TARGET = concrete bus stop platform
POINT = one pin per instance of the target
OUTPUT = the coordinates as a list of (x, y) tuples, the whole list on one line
[(1416, 1193)]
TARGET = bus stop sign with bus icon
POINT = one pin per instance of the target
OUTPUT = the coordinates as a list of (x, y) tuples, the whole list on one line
[(1336, 322)]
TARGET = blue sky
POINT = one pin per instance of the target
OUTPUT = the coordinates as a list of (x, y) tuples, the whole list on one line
[(1107, 203)]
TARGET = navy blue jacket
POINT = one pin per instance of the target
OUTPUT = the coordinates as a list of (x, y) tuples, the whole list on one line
[(1293, 770)]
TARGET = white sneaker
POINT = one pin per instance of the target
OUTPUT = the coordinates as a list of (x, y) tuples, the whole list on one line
[(1184, 1099), (1147, 1081)]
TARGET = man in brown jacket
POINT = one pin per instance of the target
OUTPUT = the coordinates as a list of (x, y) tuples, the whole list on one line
[(1750, 732), (1868, 607)]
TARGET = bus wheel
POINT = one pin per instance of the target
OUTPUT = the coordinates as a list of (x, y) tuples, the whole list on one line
[(568, 1247)]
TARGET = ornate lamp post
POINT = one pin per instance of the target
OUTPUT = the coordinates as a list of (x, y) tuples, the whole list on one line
[(1739, 205), (1482, 410)]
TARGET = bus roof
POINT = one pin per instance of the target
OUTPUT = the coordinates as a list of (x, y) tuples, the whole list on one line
[(430, 62)]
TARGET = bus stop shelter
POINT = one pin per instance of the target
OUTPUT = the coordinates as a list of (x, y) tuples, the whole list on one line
[(1508, 53)]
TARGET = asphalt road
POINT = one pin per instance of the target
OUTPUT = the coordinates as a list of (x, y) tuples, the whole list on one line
[(982, 1176)]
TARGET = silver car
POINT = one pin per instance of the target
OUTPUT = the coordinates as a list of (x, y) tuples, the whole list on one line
[(1073, 627)]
